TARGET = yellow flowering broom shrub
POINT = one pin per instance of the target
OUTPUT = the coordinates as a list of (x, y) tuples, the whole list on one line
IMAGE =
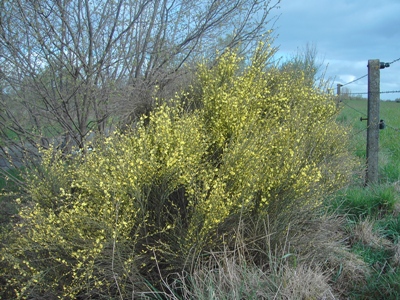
[(105, 223)]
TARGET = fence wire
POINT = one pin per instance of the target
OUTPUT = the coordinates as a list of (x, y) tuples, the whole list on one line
[(391, 127), (349, 106), (366, 93), (363, 114), (355, 80), (396, 60), (359, 78)]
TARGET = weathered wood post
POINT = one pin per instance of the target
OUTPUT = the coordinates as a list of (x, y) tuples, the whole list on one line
[(338, 95), (373, 121)]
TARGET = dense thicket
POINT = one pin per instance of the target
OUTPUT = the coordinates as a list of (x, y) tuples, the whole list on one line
[(244, 144)]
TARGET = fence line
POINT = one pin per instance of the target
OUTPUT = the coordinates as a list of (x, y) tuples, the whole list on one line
[(373, 117), (359, 78)]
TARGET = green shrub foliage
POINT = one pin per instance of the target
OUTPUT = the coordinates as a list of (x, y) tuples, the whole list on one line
[(262, 144)]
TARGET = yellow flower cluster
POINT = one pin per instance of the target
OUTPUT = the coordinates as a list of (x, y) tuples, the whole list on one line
[(264, 142)]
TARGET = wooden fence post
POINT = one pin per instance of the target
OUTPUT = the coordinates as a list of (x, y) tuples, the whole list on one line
[(373, 121), (339, 99)]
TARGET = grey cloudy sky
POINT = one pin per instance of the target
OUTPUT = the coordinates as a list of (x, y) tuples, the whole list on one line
[(346, 34)]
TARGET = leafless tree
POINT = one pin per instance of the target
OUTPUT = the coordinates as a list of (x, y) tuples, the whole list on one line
[(69, 67)]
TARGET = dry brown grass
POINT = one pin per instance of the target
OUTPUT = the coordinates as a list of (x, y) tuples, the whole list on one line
[(322, 242), (305, 282), (225, 276), (256, 267), (364, 233), (311, 261)]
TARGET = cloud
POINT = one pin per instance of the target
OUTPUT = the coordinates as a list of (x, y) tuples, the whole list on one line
[(346, 34)]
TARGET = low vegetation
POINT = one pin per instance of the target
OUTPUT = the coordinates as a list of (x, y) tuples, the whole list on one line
[(372, 212)]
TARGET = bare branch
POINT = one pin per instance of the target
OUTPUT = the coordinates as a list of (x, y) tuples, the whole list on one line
[(72, 66)]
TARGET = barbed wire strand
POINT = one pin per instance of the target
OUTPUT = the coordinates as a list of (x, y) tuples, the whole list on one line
[(355, 80), (366, 93), (396, 60), (390, 92), (360, 93)]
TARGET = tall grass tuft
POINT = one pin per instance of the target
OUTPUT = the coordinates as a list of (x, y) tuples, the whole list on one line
[(359, 203)]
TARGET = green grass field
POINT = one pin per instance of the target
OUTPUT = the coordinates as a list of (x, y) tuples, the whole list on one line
[(389, 139)]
